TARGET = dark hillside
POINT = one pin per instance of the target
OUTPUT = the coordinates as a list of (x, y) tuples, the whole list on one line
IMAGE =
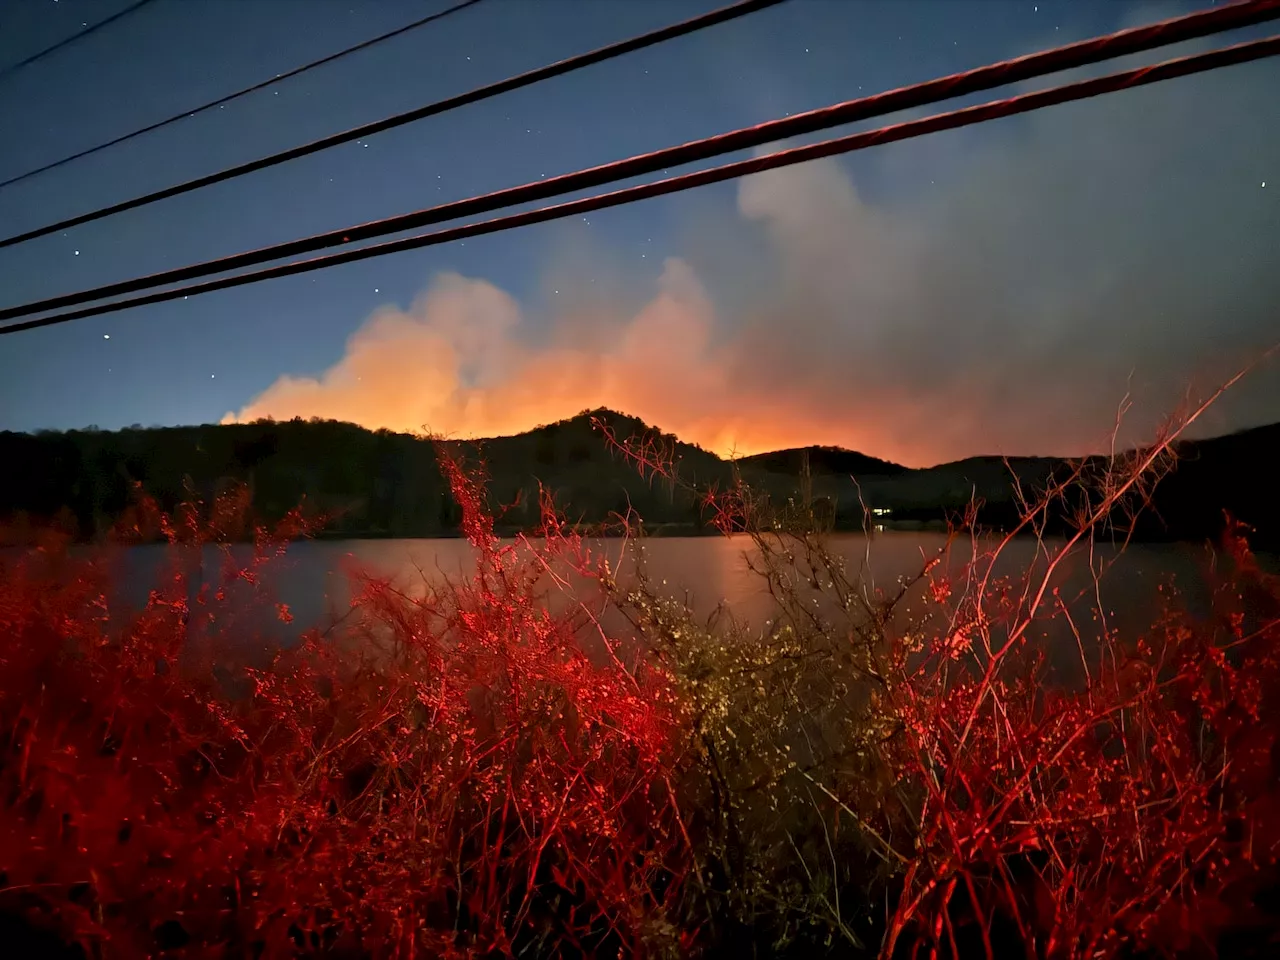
[(384, 484), (822, 461)]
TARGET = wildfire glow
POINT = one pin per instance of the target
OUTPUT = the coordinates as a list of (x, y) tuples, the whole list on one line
[(1002, 314), (451, 365)]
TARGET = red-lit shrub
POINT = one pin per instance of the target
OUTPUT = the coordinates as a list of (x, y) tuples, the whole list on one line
[(974, 799), (465, 782), (1132, 812)]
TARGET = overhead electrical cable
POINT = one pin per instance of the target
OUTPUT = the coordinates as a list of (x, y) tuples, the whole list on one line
[(999, 74), (253, 88), (966, 116), (701, 22), (6, 72)]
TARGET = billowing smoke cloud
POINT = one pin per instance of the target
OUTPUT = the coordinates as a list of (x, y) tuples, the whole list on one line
[(1006, 308)]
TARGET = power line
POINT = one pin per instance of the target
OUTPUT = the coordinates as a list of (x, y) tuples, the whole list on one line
[(13, 68), (966, 116), (979, 79), (701, 22), (223, 101)]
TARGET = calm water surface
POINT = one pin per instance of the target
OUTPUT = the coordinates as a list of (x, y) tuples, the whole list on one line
[(315, 578)]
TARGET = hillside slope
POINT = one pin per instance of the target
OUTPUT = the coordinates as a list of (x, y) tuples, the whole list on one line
[(379, 483)]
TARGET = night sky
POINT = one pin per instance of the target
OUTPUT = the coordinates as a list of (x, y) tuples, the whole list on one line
[(990, 290)]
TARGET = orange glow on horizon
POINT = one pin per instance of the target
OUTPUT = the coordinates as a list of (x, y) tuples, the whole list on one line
[(834, 340)]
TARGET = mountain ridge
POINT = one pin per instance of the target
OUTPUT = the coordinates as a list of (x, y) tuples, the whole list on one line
[(383, 483)]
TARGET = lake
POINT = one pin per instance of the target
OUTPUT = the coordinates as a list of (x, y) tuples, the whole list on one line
[(314, 578)]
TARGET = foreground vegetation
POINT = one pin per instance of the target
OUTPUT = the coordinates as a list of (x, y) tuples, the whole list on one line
[(479, 771)]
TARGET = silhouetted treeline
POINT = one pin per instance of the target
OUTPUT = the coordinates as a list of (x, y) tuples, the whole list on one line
[(385, 484), (371, 483), (1229, 474)]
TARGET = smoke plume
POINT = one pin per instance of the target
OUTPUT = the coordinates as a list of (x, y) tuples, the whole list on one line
[(1056, 262)]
